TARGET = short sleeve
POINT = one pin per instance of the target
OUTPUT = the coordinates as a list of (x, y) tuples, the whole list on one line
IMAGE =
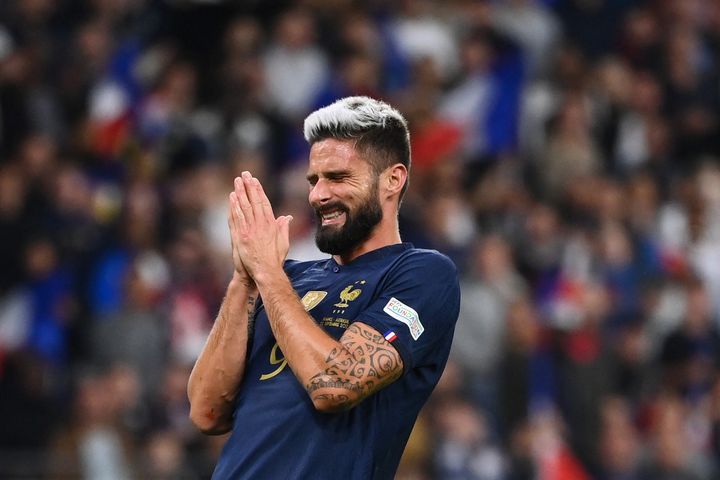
[(417, 307)]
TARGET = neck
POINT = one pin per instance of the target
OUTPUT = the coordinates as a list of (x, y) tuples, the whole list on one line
[(385, 233)]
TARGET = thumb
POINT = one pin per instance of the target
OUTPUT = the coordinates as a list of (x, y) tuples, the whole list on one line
[(283, 224)]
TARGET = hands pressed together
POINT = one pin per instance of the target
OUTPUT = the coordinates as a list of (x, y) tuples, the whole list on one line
[(260, 241)]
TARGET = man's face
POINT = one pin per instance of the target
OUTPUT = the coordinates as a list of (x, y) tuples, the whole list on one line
[(344, 195)]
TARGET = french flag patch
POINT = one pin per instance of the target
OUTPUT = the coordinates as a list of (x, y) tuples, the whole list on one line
[(390, 336)]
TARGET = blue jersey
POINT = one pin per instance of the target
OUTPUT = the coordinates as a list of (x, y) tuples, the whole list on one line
[(409, 295)]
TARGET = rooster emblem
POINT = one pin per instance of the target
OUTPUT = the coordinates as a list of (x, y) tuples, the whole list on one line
[(348, 295)]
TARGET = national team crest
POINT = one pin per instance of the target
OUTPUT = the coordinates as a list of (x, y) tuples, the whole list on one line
[(311, 299), (349, 293)]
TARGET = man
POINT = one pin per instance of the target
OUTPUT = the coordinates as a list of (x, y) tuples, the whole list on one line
[(320, 368)]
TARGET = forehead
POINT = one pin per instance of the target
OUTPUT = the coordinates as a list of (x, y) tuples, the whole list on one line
[(335, 155)]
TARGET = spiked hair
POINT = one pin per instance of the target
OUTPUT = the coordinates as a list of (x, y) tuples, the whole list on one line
[(380, 133)]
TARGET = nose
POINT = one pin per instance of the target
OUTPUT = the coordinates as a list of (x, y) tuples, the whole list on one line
[(319, 193)]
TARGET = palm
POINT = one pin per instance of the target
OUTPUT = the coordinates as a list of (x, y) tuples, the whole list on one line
[(259, 240)]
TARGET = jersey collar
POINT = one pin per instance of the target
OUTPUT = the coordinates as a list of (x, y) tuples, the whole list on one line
[(369, 257)]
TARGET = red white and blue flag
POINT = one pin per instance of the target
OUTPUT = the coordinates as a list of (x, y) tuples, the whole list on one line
[(390, 336)]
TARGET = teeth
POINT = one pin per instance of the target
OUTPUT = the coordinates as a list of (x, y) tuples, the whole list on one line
[(330, 216)]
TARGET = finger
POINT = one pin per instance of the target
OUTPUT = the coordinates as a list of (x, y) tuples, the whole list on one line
[(265, 208), (283, 224), (234, 214), (230, 209), (235, 218), (232, 226), (251, 187), (244, 200)]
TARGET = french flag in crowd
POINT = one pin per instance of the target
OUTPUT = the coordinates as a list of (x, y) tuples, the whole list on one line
[(390, 336), (486, 105), (113, 100)]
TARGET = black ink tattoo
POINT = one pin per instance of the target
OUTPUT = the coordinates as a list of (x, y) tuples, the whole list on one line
[(327, 381), (251, 315), (251, 309), (338, 398), (364, 364)]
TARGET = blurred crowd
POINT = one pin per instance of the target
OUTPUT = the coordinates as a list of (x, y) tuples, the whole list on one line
[(566, 155)]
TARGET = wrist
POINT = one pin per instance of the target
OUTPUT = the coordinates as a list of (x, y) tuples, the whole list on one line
[(242, 280), (268, 275)]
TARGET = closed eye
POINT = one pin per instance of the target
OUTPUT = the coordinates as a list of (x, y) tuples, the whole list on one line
[(337, 176)]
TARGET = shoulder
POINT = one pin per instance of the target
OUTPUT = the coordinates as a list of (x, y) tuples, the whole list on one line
[(421, 273), (431, 257), (430, 262)]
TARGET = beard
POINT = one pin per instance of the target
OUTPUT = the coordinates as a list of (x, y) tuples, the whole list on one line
[(338, 240)]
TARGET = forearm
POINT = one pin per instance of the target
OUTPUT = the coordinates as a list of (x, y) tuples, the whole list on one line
[(219, 369), (305, 345), (336, 374)]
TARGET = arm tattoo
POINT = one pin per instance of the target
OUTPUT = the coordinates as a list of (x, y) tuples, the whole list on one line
[(251, 306), (316, 383), (251, 315), (363, 364)]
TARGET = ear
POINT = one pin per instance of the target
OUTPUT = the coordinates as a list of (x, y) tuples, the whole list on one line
[(395, 178)]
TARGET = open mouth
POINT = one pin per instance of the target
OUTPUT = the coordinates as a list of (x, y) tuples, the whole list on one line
[(332, 216), (335, 217)]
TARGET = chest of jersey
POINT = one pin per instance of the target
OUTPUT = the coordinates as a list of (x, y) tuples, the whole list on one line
[(333, 299)]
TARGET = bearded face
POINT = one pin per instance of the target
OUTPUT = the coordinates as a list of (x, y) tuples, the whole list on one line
[(360, 220)]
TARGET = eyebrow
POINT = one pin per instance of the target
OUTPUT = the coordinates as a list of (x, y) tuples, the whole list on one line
[(332, 174)]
